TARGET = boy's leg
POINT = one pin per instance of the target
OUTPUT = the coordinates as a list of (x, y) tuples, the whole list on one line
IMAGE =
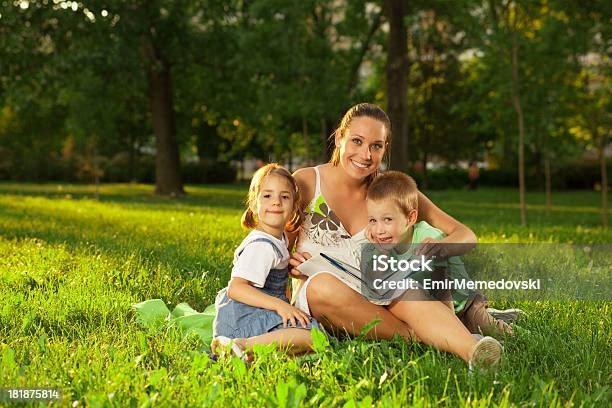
[(296, 341), (443, 295), (477, 319)]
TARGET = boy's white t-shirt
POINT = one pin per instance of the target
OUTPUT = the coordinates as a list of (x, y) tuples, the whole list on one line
[(258, 258)]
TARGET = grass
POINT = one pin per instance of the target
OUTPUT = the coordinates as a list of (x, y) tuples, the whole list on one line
[(72, 266)]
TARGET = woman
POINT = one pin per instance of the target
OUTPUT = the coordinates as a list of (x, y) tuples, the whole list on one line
[(361, 141)]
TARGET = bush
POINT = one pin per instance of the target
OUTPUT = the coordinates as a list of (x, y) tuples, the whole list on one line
[(442, 178), (582, 175), (499, 178), (212, 173)]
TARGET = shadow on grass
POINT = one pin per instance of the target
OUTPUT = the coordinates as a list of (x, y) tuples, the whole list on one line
[(88, 231)]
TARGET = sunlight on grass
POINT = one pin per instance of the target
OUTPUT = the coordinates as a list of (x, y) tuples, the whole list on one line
[(73, 265)]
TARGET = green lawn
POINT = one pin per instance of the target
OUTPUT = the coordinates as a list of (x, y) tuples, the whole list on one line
[(72, 266)]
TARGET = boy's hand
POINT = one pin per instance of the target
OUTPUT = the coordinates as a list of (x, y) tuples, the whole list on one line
[(382, 248), (431, 247), (296, 259), (441, 248), (368, 234), (292, 314)]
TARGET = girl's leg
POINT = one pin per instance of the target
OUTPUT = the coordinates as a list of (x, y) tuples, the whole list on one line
[(295, 341), (340, 308)]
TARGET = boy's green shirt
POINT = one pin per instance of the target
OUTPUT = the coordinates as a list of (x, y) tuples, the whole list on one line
[(454, 264)]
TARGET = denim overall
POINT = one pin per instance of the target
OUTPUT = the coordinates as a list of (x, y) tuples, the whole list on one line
[(237, 320)]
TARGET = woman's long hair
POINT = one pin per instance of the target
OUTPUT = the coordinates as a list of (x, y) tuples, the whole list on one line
[(367, 110)]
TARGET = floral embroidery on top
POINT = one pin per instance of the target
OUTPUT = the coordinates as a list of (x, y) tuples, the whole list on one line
[(324, 226)]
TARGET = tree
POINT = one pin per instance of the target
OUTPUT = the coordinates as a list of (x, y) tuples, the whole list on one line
[(397, 81)]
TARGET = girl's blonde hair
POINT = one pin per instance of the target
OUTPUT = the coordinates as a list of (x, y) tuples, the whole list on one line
[(361, 110), (248, 218)]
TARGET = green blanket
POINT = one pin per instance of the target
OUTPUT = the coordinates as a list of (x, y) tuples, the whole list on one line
[(154, 314)]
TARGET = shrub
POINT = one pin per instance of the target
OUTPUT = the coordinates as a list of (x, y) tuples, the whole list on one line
[(211, 173)]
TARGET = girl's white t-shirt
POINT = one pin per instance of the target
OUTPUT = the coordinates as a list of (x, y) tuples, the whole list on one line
[(257, 258)]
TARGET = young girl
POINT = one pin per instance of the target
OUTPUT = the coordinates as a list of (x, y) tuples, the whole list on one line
[(254, 308)]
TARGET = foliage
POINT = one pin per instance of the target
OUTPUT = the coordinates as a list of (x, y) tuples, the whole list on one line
[(269, 79)]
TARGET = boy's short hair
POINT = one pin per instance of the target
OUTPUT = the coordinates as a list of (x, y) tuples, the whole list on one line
[(397, 186)]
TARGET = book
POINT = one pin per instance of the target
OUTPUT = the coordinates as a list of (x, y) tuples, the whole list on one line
[(334, 261)]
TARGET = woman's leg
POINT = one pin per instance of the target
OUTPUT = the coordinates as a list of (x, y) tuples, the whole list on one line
[(295, 341), (434, 324), (339, 307)]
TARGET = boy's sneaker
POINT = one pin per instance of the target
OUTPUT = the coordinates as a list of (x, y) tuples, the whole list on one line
[(478, 319), (507, 315), (485, 355)]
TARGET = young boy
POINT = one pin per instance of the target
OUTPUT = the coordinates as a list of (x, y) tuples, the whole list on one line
[(392, 201)]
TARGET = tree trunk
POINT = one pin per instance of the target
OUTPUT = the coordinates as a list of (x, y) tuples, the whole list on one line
[(96, 171), (425, 174), (516, 100), (305, 138), (324, 140), (168, 180), (131, 157), (241, 169), (547, 181), (397, 82), (604, 180)]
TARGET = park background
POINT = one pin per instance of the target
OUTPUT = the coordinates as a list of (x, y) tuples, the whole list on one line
[(128, 128)]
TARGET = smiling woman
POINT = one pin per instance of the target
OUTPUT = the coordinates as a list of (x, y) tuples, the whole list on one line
[(335, 215)]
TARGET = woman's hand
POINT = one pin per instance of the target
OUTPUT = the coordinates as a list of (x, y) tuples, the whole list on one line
[(296, 259), (292, 314)]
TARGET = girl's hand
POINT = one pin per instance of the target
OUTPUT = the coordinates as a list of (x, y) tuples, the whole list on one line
[(296, 259), (292, 314)]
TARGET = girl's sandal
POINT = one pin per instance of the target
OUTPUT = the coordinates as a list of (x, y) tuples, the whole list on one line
[(485, 355), (222, 346)]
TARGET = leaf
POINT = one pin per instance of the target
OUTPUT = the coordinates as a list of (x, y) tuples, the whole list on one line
[(282, 394), (369, 326), (183, 309), (319, 340), (239, 367), (151, 313), (8, 358), (297, 394), (42, 343)]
